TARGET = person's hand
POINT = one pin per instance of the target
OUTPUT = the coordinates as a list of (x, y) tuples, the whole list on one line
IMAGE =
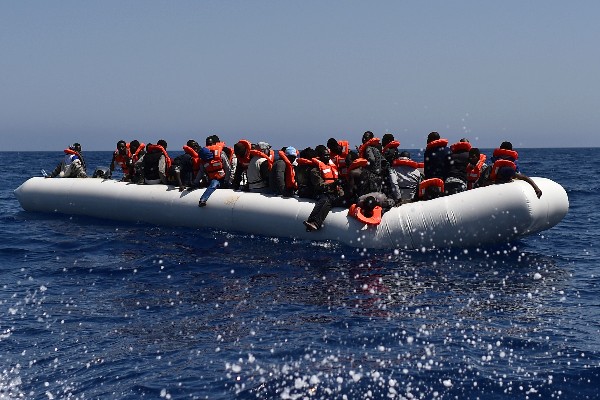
[(182, 188)]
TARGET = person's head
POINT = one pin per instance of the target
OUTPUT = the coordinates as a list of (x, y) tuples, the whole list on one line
[(75, 147), (464, 140), (162, 143), (240, 150), (474, 155), (121, 147), (210, 140), (323, 153), (352, 155), (368, 205), (433, 136), (290, 153), (264, 147), (193, 145), (134, 145), (368, 135), (387, 139), (404, 154), (506, 145), (216, 139), (334, 146), (308, 153)]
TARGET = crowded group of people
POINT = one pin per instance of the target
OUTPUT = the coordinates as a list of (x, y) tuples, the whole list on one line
[(368, 180)]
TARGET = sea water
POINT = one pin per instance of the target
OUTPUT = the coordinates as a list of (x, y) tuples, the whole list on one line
[(100, 309)]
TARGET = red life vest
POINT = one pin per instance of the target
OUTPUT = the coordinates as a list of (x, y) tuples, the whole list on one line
[(371, 142), (257, 153), (196, 161), (460, 147), (156, 147), (474, 171), (136, 156), (421, 165), (501, 164), (401, 162), (394, 144), (356, 212), (290, 173), (437, 143), (244, 161), (340, 159), (506, 154), (73, 152), (329, 173), (358, 163), (214, 168), (433, 182), (122, 159)]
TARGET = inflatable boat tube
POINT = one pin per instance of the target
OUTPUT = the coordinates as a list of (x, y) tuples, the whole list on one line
[(493, 214)]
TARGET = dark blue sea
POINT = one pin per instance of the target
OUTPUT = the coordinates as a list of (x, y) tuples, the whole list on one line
[(96, 309)]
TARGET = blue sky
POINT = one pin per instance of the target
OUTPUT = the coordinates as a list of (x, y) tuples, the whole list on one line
[(298, 72)]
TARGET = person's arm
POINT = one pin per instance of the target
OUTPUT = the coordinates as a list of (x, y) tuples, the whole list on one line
[(227, 168), (538, 191)]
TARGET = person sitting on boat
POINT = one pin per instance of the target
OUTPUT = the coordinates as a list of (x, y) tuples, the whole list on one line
[(155, 163), (456, 180), (215, 169), (184, 168), (282, 178), (122, 156), (304, 164), (504, 171), (259, 167), (137, 151), (390, 147), (376, 167), (474, 168), (72, 164), (327, 189), (241, 151), (506, 152), (403, 178), (436, 157), (339, 150)]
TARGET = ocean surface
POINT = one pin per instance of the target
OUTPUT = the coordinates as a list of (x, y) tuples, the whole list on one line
[(96, 309)]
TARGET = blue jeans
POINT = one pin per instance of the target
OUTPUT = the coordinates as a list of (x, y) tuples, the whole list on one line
[(214, 184)]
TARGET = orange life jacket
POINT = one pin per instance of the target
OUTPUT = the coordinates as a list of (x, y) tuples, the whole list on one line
[(196, 161), (244, 161), (400, 162), (506, 154), (371, 142), (474, 171), (437, 143), (433, 182), (257, 153), (329, 173), (340, 159), (214, 167), (501, 164), (122, 159), (358, 163), (290, 173), (356, 212), (157, 147), (394, 144), (460, 147)]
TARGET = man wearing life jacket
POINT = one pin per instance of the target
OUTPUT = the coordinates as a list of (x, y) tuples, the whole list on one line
[(185, 167), (431, 188), (475, 167), (327, 189), (370, 207), (216, 170), (376, 166), (505, 171), (436, 157), (303, 167), (137, 151), (259, 168), (456, 180), (339, 150), (155, 163), (506, 152), (241, 151), (121, 156), (390, 147), (282, 178), (404, 179), (72, 164)]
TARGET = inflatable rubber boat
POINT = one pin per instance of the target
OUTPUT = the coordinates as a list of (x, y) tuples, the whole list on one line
[(488, 215)]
